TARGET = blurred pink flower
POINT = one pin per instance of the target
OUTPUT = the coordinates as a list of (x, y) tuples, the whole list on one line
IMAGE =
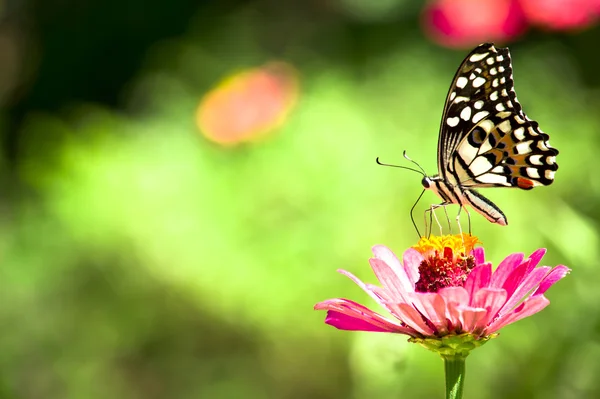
[(561, 14), (248, 105), (464, 23), (437, 291)]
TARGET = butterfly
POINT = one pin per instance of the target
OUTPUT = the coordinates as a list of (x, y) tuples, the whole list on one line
[(485, 138)]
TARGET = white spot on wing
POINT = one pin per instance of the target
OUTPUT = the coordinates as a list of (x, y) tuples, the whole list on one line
[(549, 174), (500, 107), (465, 114), (535, 159), (485, 146), (524, 147), (493, 71), (460, 99), (501, 68), (478, 57), (492, 178), (478, 104), (494, 96), (478, 82), (467, 152), (520, 133), (533, 173), (461, 82), (452, 122), (490, 61), (452, 95), (480, 165), (486, 125), (504, 126), (479, 116)]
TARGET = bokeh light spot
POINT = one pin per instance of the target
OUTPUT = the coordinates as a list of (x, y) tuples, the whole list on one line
[(561, 14), (465, 23), (248, 105)]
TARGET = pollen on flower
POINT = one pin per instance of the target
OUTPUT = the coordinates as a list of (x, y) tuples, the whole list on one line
[(447, 261), (460, 244)]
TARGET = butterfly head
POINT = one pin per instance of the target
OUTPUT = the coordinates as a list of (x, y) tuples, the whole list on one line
[(427, 182)]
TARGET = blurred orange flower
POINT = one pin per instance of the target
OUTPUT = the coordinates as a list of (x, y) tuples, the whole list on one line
[(248, 105)]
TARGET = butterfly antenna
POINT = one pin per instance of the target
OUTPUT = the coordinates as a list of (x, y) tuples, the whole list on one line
[(410, 160), (421, 172)]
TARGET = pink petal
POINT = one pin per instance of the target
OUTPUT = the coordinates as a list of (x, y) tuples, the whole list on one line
[(531, 306), (454, 297), (532, 281), (516, 277), (556, 274), (470, 318), (412, 260), (433, 307), (410, 317), (490, 299), (373, 291), (479, 255), (479, 277), (349, 315), (407, 314), (346, 322), (505, 268), (537, 256), (384, 254), (389, 280)]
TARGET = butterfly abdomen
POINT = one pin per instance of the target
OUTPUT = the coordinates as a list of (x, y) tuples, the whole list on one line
[(456, 194)]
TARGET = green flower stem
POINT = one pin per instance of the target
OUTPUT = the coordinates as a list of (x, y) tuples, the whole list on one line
[(455, 376)]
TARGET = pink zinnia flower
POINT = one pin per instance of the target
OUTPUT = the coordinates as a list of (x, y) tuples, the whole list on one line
[(444, 294)]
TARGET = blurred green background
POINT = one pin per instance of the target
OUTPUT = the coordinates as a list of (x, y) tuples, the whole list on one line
[(147, 252)]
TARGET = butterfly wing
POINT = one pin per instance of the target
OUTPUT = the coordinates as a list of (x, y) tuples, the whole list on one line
[(486, 140)]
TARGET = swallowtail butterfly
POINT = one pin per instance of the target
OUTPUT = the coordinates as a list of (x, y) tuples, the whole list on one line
[(485, 139)]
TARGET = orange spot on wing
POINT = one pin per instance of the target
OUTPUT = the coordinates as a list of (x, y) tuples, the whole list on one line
[(525, 184)]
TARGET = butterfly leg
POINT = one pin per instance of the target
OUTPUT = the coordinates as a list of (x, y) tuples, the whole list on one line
[(412, 218), (448, 220), (458, 220), (432, 215), (469, 219)]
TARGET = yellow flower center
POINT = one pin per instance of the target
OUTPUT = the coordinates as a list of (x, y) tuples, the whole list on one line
[(460, 244)]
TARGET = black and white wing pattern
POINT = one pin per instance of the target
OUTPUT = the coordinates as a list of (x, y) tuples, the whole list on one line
[(486, 140)]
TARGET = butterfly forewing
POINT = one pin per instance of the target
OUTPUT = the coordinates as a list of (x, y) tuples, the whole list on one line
[(486, 140)]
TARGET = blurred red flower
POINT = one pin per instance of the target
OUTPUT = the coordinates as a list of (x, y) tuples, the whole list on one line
[(464, 23), (248, 105), (561, 14)]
